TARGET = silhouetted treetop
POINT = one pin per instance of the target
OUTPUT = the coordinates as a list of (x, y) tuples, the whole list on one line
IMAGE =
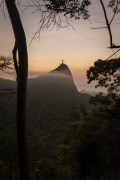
[(59, 13), (73, 8), (106, 73), (55, 13)]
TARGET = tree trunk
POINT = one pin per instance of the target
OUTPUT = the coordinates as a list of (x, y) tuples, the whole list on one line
[(21, 88)]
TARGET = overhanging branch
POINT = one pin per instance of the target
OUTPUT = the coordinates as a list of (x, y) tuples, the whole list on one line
[(107, 23)]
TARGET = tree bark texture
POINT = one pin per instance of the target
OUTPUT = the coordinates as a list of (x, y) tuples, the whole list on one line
[(22, 74)]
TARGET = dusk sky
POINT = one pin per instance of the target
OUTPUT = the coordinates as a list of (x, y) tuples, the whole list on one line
[(79, 47)]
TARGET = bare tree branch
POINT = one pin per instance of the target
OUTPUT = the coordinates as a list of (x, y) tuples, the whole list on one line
[(6, 64), (107, 23), (58, 14), (1, 3), (115, 5), (99, 28), (113, 54), (2, 7)]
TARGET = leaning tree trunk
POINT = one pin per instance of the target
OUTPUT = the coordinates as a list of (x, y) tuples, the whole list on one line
[(22, 73)]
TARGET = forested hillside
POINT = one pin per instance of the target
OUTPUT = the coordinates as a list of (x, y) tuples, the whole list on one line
[(52, 103)]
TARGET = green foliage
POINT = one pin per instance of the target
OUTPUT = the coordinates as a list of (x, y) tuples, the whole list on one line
[(114, 4), (108, 104), (73, 8), (94, 143), (93, 149), (106, 73)]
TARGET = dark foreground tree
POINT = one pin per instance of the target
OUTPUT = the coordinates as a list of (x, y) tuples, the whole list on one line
[(21, 67), (107, 74)]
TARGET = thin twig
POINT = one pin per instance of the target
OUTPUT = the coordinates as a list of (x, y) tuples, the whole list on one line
[(113, 54), (99, 28), (115, 11), (2, 7), (6, 64), (51, 17)]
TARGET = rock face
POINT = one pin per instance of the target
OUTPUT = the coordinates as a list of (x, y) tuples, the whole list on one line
[(52, 99), (62, 69)]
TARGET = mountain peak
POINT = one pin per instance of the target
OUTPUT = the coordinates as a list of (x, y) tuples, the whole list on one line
[(62, 69)]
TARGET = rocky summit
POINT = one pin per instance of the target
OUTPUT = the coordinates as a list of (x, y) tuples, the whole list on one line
[(62, 69)]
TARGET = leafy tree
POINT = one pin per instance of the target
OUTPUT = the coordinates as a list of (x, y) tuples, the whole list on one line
[(59, 14), (106, 73), (92, 151)]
